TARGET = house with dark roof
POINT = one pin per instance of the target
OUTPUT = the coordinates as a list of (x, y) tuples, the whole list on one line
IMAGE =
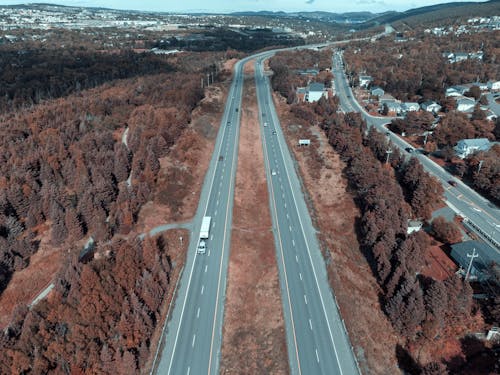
[(465, 104), (484, 264), (377, 91), (315, 90)]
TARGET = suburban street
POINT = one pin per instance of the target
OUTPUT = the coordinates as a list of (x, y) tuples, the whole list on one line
[(193, 338), (483, 216), (316, 337)]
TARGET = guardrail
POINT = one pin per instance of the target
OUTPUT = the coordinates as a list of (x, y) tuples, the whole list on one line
[(482, 233)]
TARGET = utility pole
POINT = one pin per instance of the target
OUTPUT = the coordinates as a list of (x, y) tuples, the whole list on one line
[(425, 139), (471, 256), (480, 165), (388, 152)]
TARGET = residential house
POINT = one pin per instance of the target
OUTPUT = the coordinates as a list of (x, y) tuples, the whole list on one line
[(483, 86), (476, 55), (315, 90), (387, 98), (393, 108), (410, 107), (308, 72), (449, 56), (460, 56), (493, 85), (490, 115), (364, 81), (465, 147), (414, 226), (377, 91), (486, 259), (430, 106), (465, 104), (457, 90)]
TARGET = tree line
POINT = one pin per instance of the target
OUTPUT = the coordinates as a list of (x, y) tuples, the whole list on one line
[(62, 164), (28, 76), (65, 174), (419, 308), (99, 318)]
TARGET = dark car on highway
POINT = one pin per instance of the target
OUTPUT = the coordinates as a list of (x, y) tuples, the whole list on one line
[(409, 150), (452, 183)]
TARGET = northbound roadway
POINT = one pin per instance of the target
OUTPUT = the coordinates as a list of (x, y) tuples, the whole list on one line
[(316, 336)]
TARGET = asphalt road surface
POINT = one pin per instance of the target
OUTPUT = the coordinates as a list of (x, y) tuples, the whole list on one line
[(194, 332), (483, 216), (316, 337)]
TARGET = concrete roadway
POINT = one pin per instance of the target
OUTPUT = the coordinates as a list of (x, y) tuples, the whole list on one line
[(483, 215), (316, 337), (193, 336)]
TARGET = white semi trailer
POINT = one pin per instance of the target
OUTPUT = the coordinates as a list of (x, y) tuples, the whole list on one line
[(204, 233)]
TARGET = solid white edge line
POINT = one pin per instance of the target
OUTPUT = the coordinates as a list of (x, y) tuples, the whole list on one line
[(224, 120)]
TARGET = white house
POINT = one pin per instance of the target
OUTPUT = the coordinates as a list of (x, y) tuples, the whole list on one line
[(465, 104), (410, 106), (430, 106), (413, 226), (465, 147), (457, 90), (377, 91), (364, 81), (494, 85), (315, 91)]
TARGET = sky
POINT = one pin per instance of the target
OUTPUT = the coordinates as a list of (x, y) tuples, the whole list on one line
[(223, 6)]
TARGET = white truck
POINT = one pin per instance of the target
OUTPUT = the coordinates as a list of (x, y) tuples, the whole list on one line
[(204, 232)]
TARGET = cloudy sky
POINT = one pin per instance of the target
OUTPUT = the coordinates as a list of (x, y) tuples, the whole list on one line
[(338, 6)]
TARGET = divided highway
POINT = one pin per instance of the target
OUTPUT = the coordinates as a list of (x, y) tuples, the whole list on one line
[(316, 337), (194, 332), (483, 215)]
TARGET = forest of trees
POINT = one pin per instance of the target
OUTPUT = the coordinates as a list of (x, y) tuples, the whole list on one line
[(484, 179), (221, 39), (416, 70), (419, 308), (100, 317), (31, 75), (60, 162), (66, 175)]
